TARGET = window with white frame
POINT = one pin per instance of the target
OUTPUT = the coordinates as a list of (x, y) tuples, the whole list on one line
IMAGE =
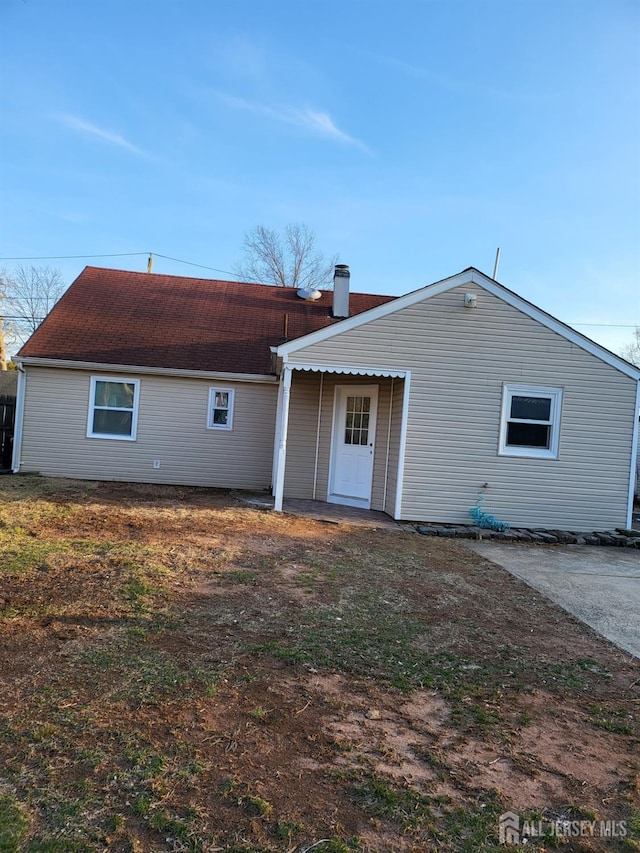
[(530, 424), (220, 408), (113, 408)]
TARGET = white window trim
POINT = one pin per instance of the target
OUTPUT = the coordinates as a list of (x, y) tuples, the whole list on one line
[(230, 407), (555, 394), (134, 416)]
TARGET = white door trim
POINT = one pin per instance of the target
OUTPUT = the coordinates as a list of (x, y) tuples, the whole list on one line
[(336, 432)]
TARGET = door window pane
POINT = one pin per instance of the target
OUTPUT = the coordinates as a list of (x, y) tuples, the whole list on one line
[(357, 420)]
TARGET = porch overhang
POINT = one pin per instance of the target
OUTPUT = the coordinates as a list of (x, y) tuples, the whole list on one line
[(282, 418), (353, 371)]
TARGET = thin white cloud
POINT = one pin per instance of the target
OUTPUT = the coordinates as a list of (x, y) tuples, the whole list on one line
[(313, 121), (86, 127), (461, 86)]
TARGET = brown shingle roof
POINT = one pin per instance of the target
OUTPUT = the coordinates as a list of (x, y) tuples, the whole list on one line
[(150, 320)]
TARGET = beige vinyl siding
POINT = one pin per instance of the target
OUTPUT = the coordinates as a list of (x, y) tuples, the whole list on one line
[(172, 427), (301, 436), (459, 359), (303, 430)]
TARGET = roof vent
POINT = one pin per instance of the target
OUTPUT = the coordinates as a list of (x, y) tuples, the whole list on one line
[(308, 295)]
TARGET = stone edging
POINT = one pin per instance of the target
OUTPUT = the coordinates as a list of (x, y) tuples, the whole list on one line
[(621, 537)]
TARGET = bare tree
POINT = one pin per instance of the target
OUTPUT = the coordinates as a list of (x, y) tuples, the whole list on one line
[(290, 259), (632, 351), (26, 297)]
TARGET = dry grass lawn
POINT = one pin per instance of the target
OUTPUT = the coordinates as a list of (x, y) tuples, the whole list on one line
[(184, 673)]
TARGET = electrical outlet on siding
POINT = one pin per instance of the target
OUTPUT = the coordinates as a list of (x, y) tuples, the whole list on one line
[(156, 464)]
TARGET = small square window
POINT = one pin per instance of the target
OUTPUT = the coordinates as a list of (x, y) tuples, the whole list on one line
[(530, 424), (220, 409)]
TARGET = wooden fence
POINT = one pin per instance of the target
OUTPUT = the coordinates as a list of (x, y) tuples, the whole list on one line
[(7, 423)]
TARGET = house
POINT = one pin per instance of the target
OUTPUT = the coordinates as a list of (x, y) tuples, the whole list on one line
[(407, 405)]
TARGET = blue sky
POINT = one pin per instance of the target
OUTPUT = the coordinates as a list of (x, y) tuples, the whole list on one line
[(414, 137)]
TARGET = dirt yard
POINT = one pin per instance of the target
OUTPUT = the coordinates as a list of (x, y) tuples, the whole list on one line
[(184, 673)]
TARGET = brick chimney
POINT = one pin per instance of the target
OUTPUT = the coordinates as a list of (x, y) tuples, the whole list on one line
[(341, 278)]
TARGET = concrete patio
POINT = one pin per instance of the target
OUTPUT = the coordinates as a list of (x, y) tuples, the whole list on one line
[(321, 511), (600, 586)]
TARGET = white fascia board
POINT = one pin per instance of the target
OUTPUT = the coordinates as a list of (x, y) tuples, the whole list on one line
[(467, 277), (150, 371), (555, 325)]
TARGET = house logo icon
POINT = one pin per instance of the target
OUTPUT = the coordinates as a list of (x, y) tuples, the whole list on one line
[(509, 828)]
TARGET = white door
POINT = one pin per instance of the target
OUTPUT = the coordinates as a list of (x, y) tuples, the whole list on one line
[(352, 445)]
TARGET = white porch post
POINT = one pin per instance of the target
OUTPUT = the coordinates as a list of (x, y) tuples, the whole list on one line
[(402, 450), (281, 439)]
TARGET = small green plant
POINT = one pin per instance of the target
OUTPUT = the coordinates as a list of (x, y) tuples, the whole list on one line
[(254, 805), (286, 829), (142, 805), (14, 824), (259, 713), (136, 591), (612, 721), (632, 841), (240, 577), (117, 822), (335, 845), (404, 804), (308, 578), (469, 829), (257, 806), (576, 812)]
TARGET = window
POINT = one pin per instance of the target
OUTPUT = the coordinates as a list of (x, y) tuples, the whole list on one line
[(357, 420), (220, 409), (113, 408), (530, 421)]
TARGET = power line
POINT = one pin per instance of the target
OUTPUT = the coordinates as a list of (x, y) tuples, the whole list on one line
[(118, 255), (608, 325), (228, 272), (191, 264), (76, 257)]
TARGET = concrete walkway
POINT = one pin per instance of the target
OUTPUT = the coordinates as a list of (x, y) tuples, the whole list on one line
[(600, 586)]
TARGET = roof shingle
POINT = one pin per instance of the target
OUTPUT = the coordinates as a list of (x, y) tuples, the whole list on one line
[(152, 320)]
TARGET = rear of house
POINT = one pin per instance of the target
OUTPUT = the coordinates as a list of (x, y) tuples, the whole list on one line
[(408, 405), (169, 429), (494, 392)]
